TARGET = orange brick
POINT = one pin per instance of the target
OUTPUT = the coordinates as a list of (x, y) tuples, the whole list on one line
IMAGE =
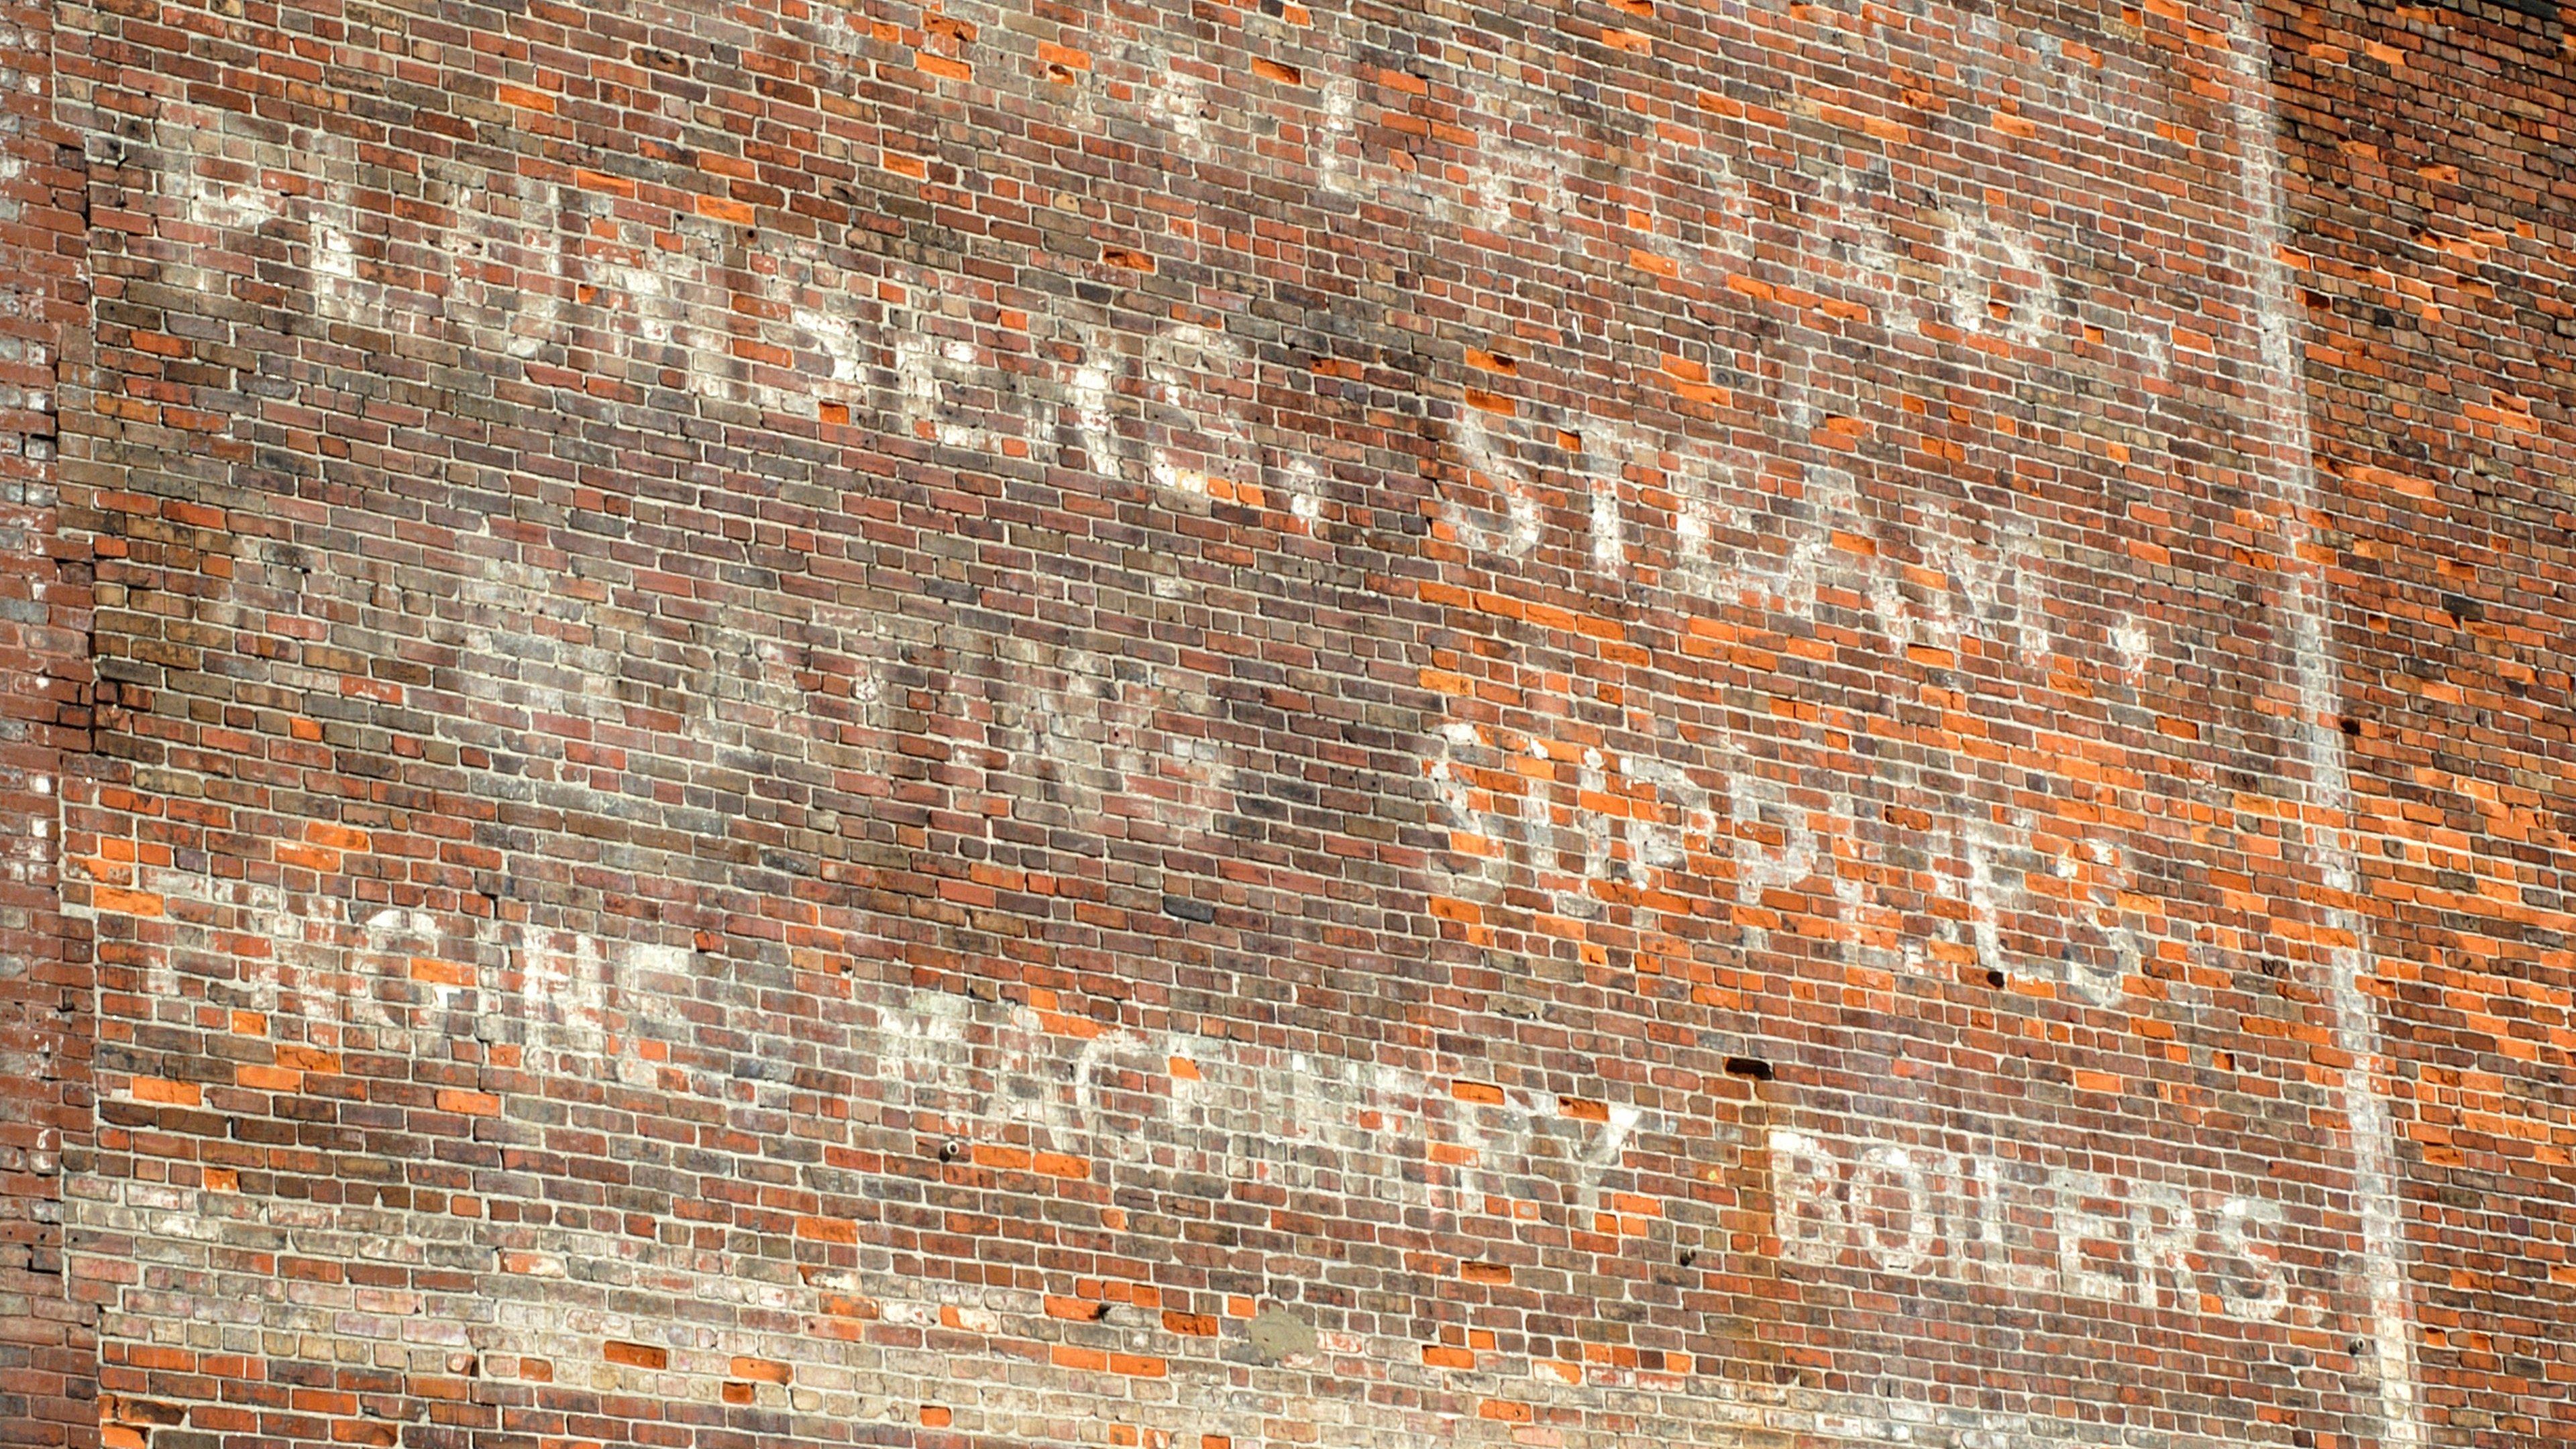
[(157, 1089), (108, 900), (443, 973), (336, 837)]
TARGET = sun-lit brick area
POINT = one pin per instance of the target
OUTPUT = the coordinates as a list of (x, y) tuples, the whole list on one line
[(1582, 723)]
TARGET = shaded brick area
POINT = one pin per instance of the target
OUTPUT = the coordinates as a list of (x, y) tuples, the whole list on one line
[(1188, 726), (2433, 205), (48, 1356)]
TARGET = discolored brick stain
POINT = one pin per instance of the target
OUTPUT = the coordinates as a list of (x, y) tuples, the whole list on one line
[(1279, 1335), (1582, 724)]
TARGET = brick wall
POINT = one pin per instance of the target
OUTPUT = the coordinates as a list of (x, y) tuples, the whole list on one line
[(1193, 725), (2432, 202), (48, 1357)]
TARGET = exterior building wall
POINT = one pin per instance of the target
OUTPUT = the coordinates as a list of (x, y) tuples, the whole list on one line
[(2431, 203), (48, 1357), (1182, 726)]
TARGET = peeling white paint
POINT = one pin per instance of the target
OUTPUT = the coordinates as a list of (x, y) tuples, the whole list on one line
[(1178, 100), (669, 300), (2135, 646), (2289, 468), (1194, 379), (1515, 190), (1999, 282), (1305, 492), (838, 337), (926, 366), (222, 206), (1514, 521), (1094, 415), (1993, 1216), (513, 278), (1339, 166), (1847, 239), (537, 1303), (1118, 745)]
